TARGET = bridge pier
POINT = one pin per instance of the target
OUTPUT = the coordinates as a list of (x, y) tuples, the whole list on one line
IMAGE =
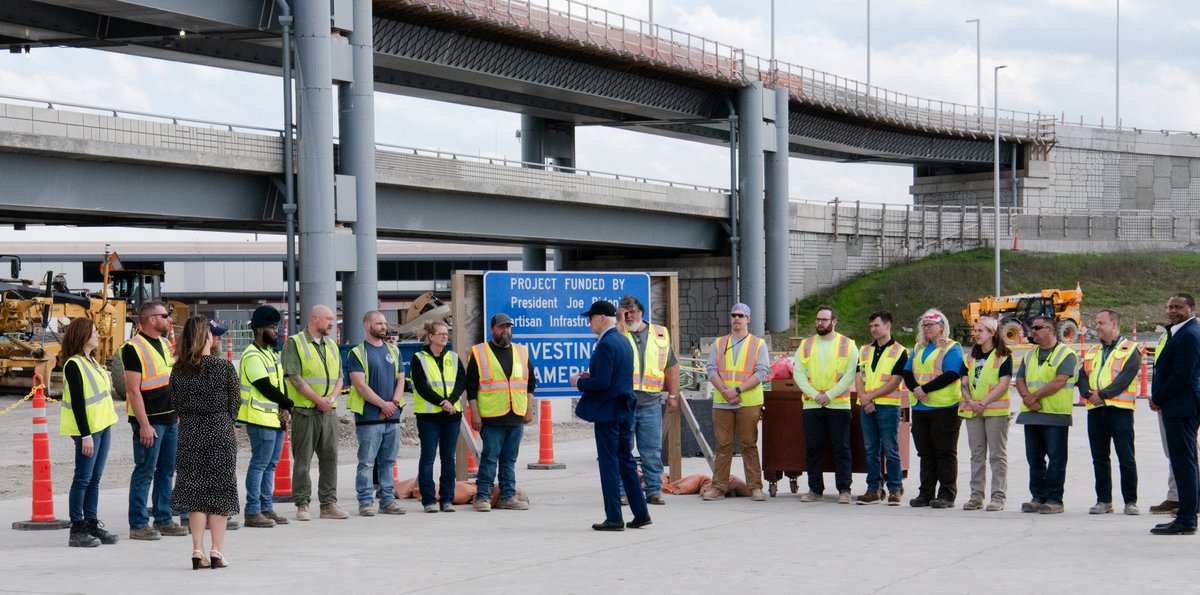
[(360, 286), (752, 252), (318, 283), (777, 219), (542, 139)]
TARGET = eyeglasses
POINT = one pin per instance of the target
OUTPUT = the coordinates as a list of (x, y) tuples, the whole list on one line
[(824, 320), (738, 315), (440, 335), (161, 315), (1038, 327)]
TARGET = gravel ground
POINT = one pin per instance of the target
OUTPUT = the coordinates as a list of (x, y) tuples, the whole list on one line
[(16, 447)]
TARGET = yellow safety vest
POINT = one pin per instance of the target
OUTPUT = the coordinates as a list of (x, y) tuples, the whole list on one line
[(498, 395), (96, 399), (156, 368), (321, 375), (831, 373), (1158, 349), (881, 373), (441, 380), (658, 349), (928, 368), (355, 401), (737, 367), (980, 387), (1104, 375), (1039, 375), (257, 409)]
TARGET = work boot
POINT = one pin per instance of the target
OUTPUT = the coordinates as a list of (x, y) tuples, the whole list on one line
[(656, 499), (1032, 506), (1165, 507), (1101, 508), (973, 504), (810, 496), (431, 507), (1131, 508), (481, 504), (941, 503), (302, 513), (173, 529), (712, 494), (870, 497), (919, 502), (512, 504), (96, 529), (146, 533), (756, 495), (1052, 508), (363, 510), (447, 507), (274, 516), (894, 497), (80, 537), (392, 508), (844, 497), (331, 511), (995, 505), (258, 520)]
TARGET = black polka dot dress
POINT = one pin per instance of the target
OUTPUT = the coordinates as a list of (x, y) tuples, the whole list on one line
[(206, 462)]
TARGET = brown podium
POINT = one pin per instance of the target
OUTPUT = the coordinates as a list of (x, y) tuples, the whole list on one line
[(783, 451)]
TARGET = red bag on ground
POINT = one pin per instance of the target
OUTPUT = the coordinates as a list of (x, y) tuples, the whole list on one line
[(407, 488), (686, 485)]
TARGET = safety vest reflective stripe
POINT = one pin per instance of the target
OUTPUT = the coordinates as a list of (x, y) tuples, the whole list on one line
[(927, 368), (735, 368), (1101, 376), (498, 395), (156, 369), (982, 386), (440, 379), (658, 348), (881, 373), (827, 377), (96, 399), (1039, 375), (256, 408), (356, 401)]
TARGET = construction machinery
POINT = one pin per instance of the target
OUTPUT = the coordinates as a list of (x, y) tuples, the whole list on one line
[(1016, 312)]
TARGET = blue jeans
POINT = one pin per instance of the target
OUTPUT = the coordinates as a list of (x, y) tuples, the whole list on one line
[(500, 447), (647, 430), (85, 485), (881, 429), (437, 435), (377, 445), (1046, 479), (156, 464), (266, 445)]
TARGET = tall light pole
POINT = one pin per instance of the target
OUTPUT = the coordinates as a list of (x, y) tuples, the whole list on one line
[(772, 34), (996, 171), (868, 46), (978, 71), (1118, 59)]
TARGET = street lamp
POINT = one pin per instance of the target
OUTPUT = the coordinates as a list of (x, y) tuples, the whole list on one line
[(978, 71), (1118, 60), (868, 46), (996, 171), (772, 34)]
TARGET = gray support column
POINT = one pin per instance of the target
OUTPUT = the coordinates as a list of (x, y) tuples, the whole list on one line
[(778, 317), (318, 283), (360, 288), (750, 206), (533, 150)]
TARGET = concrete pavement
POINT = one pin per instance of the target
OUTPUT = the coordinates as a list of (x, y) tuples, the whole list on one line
[(693, 546)]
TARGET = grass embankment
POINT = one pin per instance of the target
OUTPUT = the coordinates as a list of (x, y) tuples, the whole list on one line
[(1136, 285)]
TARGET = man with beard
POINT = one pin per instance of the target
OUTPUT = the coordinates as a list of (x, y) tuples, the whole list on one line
[(376, 398), (500, 384), (265, 411), (824, 371)]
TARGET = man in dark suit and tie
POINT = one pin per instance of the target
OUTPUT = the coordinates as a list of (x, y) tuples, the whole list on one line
[(1176, 392), (608, 402)]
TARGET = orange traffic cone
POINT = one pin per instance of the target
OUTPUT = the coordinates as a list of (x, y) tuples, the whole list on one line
[(1144, 385), (472, 464), (43, 496), (283, 474), (546, 440)]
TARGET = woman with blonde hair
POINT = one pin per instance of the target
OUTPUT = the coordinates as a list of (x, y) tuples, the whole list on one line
[(986, 374), (438, 380), (206, 395), (87, 415), (932, 374)]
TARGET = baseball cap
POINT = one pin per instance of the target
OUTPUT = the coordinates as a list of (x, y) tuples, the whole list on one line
[(501, 319), (601, 308), (217, 331)]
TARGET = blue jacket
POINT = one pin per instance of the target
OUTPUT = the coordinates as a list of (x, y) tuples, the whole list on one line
[(1176, 385), (608, 390)]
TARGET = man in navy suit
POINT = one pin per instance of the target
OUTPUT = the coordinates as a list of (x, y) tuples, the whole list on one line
[(608, 402), (1176, 392)]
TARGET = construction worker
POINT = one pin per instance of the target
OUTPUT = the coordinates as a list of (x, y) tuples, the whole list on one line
[(881, 395), (737, 366), (87, 416), (1044, 381), (655, 368), (376, 398), (1178, 311), (1109, 382), (500, 381), (932, 374), (265, 412), (824, 371), (312, 365), (148, 359), (439, 381), (986, 375)]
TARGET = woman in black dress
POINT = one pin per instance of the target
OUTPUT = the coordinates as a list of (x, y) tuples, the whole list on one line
[(206, 395)]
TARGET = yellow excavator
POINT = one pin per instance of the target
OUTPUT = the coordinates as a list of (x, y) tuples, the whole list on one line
[(1015, 312)]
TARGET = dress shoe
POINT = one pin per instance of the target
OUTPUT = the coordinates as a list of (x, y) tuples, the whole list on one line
[(1174, 528), (609, 526), (638, 523)]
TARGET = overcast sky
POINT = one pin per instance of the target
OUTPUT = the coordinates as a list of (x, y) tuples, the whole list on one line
[(1060, 56)]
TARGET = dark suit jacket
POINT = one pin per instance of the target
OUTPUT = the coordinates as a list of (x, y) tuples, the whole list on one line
[(608, 391), (1176, 385)]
